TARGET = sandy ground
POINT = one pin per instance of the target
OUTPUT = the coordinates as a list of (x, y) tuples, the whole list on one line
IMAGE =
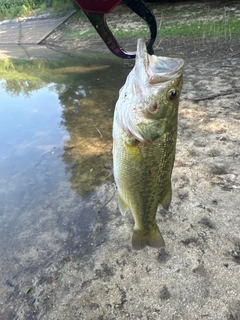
[(74, 274)]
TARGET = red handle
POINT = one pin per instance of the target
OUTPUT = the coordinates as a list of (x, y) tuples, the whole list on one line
[(98, 6)]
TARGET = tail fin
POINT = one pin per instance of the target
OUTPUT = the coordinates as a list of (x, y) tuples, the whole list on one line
[(152, 238)]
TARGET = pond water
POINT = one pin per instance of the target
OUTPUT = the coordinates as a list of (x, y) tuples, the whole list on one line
[(30, 133), (55, 150)]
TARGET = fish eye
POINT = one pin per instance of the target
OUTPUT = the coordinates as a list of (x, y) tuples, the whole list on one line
[(172, 94)]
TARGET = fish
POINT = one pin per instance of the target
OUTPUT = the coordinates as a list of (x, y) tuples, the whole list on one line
[(144, 141)]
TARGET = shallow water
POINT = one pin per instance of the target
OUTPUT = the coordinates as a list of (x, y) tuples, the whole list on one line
[(56, 117), (30, 141), (55, 150)]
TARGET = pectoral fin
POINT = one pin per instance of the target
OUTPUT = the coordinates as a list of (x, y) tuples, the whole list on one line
[(123, 207)]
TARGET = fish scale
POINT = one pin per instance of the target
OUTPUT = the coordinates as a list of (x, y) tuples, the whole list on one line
[(144, 142)]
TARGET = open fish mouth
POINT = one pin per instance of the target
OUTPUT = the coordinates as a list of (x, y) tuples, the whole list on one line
[(156, 69), (165, 69)]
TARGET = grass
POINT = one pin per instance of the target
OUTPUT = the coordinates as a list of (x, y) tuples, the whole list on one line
[(10, 9), (76, 34), (203, 28), (207, 28), (198, 24)]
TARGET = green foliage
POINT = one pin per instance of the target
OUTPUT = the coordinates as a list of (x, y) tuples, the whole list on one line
[(18, 8), (43, 6), (14, 8), (62, 5)]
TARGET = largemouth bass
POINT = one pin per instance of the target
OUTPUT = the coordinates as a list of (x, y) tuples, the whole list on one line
[(144, 141)]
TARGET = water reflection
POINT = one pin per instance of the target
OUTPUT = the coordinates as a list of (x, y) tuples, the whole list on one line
[(87, 89), (88, 116)]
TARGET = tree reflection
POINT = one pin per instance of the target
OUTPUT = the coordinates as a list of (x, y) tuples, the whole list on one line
[(88, 119), (87, 93)]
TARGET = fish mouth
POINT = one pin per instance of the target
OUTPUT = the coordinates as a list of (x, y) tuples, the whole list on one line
[(156, 69), (166, 69)]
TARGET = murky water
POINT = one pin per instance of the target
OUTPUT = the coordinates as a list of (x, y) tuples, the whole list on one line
[(55, 149)]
